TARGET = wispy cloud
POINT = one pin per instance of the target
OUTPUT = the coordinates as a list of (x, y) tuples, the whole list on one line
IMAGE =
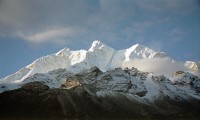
[(158, 66), (58, 35), (52, 35), (30, 20)]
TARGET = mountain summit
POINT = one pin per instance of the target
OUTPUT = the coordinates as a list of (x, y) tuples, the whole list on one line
[(98, 45)]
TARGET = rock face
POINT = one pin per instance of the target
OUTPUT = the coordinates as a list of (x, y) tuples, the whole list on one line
[(187, 79), (35, 87), (115, 94)]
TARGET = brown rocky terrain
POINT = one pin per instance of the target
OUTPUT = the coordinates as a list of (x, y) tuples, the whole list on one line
[(37, 101)]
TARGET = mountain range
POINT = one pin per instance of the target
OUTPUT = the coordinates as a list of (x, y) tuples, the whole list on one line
[(136, 82)]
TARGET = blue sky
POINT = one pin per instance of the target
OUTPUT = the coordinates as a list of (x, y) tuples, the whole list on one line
[(30, 29)]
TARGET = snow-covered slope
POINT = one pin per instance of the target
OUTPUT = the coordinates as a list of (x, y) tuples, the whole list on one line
[(99, 55), (102, 56)]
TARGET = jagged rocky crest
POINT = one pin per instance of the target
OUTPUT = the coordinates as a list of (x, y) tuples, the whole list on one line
[(115, 94)]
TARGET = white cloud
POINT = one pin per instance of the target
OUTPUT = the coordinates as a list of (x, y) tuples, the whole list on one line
[(56, 35), (158, 66), (31, 16)]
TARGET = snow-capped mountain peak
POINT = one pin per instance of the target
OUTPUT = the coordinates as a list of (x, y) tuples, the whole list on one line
[(139, 51), (63, 52), (102, 56), (138, 47), (98, 45)]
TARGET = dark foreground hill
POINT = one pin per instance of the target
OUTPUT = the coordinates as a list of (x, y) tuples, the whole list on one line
[(37, 101)]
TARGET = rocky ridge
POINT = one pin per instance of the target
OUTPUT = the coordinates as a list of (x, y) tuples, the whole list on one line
[(118, 93)]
